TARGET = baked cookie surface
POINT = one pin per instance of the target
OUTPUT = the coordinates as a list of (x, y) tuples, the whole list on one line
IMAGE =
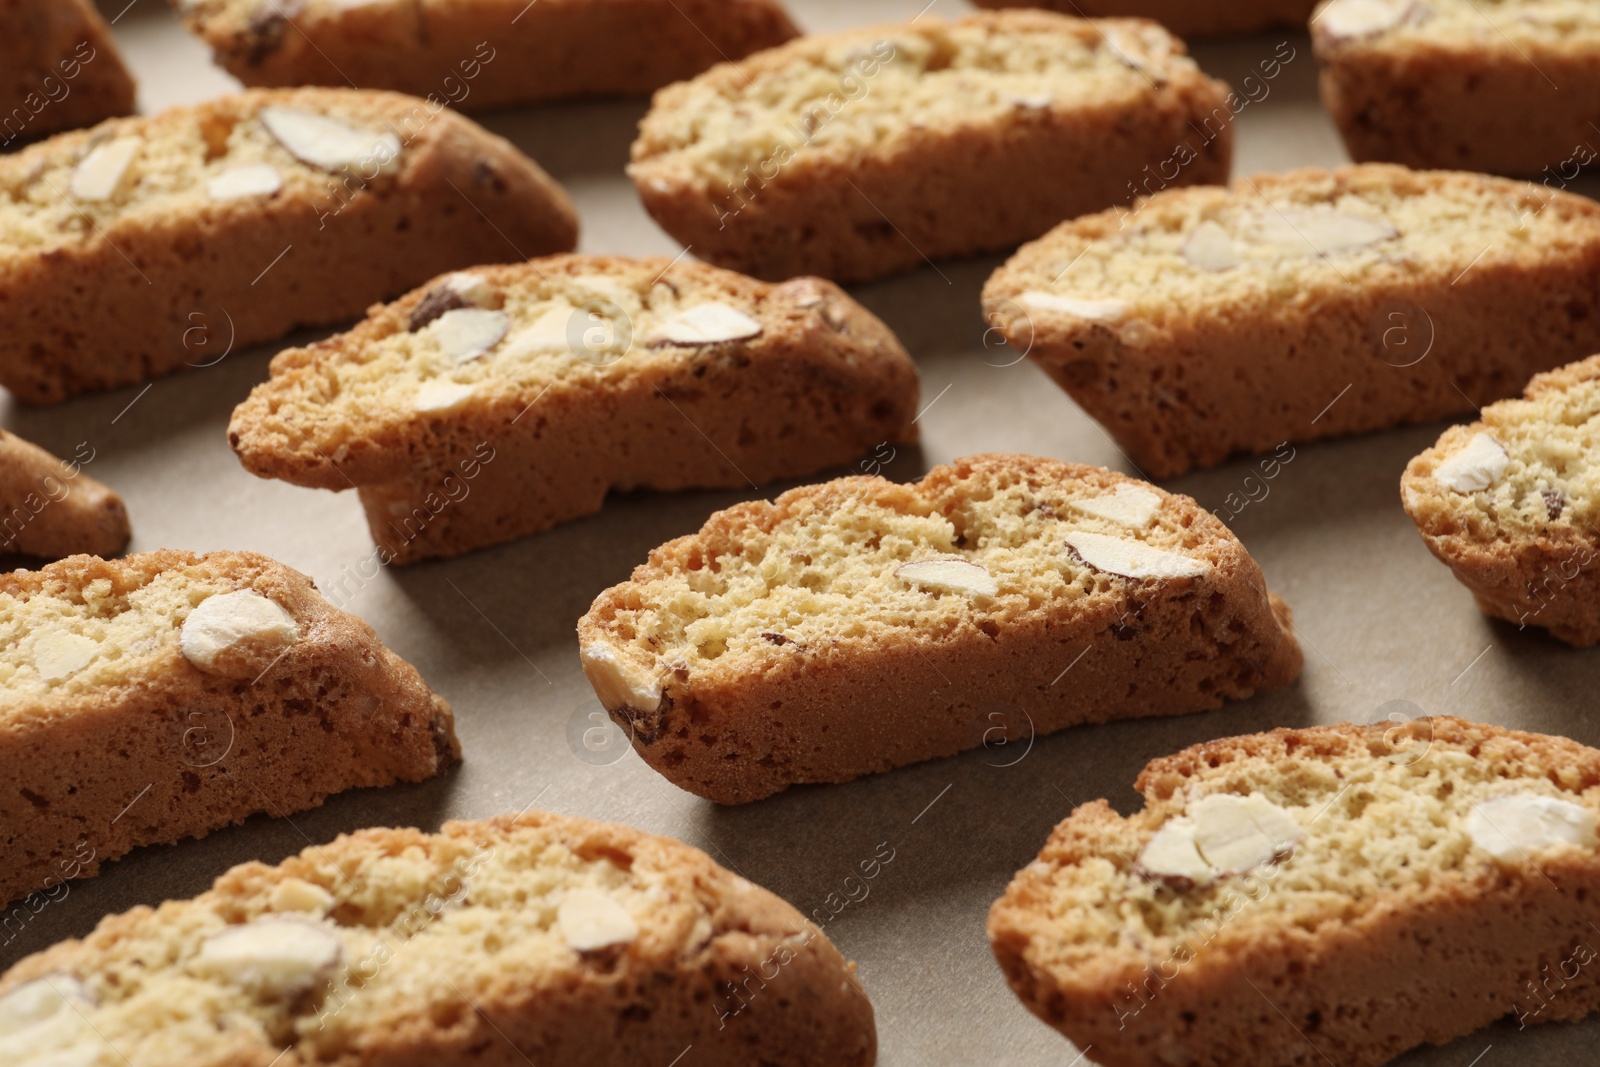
[(59, 69), (858, 154), (543, 386), (1186, 18), (479, 54), (1337, 894), (1512, 504), (521, 939), (856, 626), (50, 508), (1504, 86), (151, 244), (188, 692), (1204, 323)]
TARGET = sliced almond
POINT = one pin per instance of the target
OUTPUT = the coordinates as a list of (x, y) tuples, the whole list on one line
[(1478, 466), (330, 143), (58, 655), (1237, 834), (464, 334), (707, 324), (297, 894), (1133, 559), (229, 626), (1128, 505), (589, 919), (1348, 19), (1210, 247), (1093, 310), (440, 394), (41, 1001), (276, 958), (617, 681), (1031, 101), (100, 173), (950, 574), (1301, 232), (239, 183), (1513, 828), (1173, 856)]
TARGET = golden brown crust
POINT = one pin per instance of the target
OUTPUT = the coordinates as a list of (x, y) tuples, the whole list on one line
[(1254, 987), (855, 212), (717, 963), (878, 695), (485, 53), (59, 69), (50, 508), (460, 196), (186, 751), (1186, 18)]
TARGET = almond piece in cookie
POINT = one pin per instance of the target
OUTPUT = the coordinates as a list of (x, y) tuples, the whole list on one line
[(1504, 87), (59, 69), (1512, 504), (498, 402), (859, 154), (856, 626), (1292, 898), (477, 54), (533, 938), (1291, 307), (1186, 18), (50, 508), (152, 244), (187, 692)]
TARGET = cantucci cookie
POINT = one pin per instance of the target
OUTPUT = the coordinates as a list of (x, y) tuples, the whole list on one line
[(1512, 504), (1186, 18), (50, 508), (59, 68), (168, 694), (476, 54), (500, 401), (1330, 895), (858, 154), (516, 940), (1505, 87), (147, 245), (1292, 307), (860, 625)]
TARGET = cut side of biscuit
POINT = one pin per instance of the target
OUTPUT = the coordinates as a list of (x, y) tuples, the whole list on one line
[(1512, 504), (859, 154), (1186, 18), (1503, 87), (1338, 894), (50, 508), (500, 401), (477, 54), (148, 245), (169, 694), (857, 626), (521, 939), (1210, 322), (59, 69)]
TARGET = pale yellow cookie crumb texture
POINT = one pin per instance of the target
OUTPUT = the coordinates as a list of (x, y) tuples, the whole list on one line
[(1475, 25)]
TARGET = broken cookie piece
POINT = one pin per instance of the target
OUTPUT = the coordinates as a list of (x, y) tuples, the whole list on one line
[(50, 508)]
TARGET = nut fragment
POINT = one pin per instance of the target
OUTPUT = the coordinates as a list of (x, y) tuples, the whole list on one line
[(1133, 559), (297, 894), (1210, 247), (459, 290), (58, 655), (617, 682), (1031, 101), (467, 333), (1348, 19), (950, 574), (41, 1001), (236, 634), (1172, 855), (1478, 466), (440, 394), (589, 919), (100, 173), (329, 143), (707, 324), (238, 183), (1236, 834), (272, 958), (1107, 311), (549, 333), (1129, 505), (1300, 232), (1511, 828)]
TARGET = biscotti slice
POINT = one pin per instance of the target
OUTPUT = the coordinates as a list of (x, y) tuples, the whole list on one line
[(476, 54), (1333, 895), (59, 68), (863, 153), (1292, 307), (859, 625), (1512, 504), (50, 508), (1186, 18), (1506, 87), (498, 402), (147, 245), (169, 694), (530, 939)]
